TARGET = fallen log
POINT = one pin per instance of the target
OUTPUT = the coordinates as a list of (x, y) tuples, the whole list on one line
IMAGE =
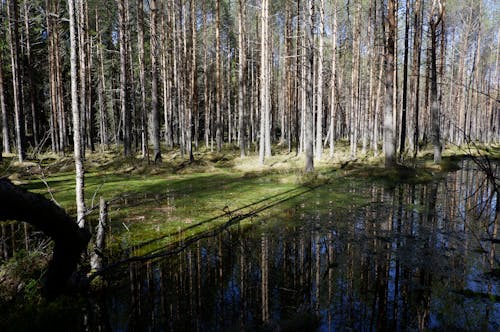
[(70, 241)]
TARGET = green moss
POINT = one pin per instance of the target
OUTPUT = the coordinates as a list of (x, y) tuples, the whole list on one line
[(391, 177), (178, 198)]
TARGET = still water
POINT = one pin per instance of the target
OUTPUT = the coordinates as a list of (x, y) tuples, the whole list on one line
[(410, 257)]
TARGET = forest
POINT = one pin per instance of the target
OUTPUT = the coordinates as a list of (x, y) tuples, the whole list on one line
[(249, 165)]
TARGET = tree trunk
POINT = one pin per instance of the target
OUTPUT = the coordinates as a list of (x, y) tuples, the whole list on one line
[(333, 103), (402, 144), (389, 129), (288, 99), (34, 117), (13, 32), (264, 82), (308, 142), (435, 19), (3, 109), (124, 78), (354, 111), (218, 80), (242, 61), (193, 108), (77, 148), (142, 77), (82, 57), (100, 239), (103, 132), (206, 97), (155, 116), (415, 86), (166, 79), (319, 90)]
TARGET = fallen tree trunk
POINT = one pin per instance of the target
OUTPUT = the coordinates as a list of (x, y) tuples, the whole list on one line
[(69, 240)]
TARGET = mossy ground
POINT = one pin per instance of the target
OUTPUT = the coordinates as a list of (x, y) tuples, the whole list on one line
[(178, 198)]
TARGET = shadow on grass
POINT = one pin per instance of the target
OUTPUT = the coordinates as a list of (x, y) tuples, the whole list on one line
[(234, 218)]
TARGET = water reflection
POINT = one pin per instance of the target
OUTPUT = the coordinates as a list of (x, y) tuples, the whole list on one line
[(417, 257)]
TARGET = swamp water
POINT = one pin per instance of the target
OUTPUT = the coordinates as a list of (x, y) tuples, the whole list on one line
[(409, 257)]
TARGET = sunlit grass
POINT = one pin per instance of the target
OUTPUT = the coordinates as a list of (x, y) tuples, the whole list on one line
[(178, 198)]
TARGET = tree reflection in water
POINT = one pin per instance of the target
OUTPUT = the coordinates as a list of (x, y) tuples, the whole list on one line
[(417, 257)]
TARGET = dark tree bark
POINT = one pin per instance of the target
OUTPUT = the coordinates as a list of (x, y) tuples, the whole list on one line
[(124, 78), (319, 89), (5, 124), (402, 143), (101, 95), (70, 240), (155, 116), (218, 80), (29, 63), (415, 84), (142, 76), (242, 68), (193, 107), (435, 20), (13, 15)]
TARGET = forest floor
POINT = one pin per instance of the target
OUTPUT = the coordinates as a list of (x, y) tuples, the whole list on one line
[(178, 199), (153, 206)]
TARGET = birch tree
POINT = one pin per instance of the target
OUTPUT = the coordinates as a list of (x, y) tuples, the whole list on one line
[(77, 147)]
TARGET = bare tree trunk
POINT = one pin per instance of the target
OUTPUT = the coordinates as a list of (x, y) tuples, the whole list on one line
[(59, 97), (218, 80), (3, 109), (242, 61), (402, 144), (368, 135), (155, 116), (417, 54), (319, 90), (193, 108), (354, 111), (100, 241), (206, 103), (142, 77), (389, 129), (183, 80), (124, 93), (13, 33), (333, 83), (288, 99), (103, 128), (264, 83), (495, 120), (299, 82), (309, 167), (82, 57), (54, 138), (34, 117), (166, 78), (436, 16), (77, 148)]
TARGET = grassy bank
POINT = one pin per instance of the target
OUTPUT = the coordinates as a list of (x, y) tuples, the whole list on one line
[(178, 199)]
